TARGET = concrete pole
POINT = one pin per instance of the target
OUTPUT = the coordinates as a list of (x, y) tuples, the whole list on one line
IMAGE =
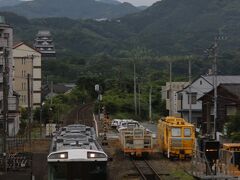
[(150, 104), (29, 107), (51, 92), (5, 105), (135, 88), (139, 99), (170, 90), (190, 91), (41, 121), (215, 88)]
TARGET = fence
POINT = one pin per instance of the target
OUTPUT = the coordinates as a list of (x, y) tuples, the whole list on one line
[(223, 168), (16, 162)]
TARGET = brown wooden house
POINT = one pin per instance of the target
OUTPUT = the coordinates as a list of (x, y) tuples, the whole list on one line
[(228, 104)]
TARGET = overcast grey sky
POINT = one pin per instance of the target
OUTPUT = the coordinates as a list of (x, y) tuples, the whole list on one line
[(140, 2)]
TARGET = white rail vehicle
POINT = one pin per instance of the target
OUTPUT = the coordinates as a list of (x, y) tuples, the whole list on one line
[(75, 154), (136, 141)]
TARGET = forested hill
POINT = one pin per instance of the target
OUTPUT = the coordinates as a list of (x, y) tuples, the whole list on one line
[(72, 8), (177, 26), (169, 27)]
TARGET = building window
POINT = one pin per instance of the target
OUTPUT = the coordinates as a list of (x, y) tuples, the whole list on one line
[(6, 35), (1, 87), (24, 99), (24, 86), (179, 96), (212, 110), (23, 73), (193, 99), (23, 61), (21, 99), (200, 82), (168, 94), (231, 110)]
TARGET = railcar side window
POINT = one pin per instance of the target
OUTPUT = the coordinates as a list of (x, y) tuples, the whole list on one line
[(187, 132), (176, 132)]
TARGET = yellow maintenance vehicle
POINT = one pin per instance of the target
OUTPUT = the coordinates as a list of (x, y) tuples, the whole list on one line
[(176, 138)]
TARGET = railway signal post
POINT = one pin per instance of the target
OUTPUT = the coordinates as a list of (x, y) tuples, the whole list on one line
[(105, 128)]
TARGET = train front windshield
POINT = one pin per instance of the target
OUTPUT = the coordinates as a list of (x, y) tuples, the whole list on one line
[(181, 132), (77, 171), (176, 132)]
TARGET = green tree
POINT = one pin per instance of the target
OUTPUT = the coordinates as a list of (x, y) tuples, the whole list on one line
[(233, 125)]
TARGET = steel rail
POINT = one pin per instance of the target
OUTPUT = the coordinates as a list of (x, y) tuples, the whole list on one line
[(146, 165), (155, 172)]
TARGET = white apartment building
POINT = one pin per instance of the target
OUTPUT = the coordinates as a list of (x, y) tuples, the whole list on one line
[(27, 60), (168, 94), (6, 65)]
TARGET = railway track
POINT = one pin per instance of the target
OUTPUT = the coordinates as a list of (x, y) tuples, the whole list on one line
[(146, 171), (81, 114)]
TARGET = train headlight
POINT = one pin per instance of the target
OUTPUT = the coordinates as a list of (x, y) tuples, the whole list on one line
[(63, 155), (95, 155)]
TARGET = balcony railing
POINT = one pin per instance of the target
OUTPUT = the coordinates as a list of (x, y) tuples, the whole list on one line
[(3, 42), (1, 78)]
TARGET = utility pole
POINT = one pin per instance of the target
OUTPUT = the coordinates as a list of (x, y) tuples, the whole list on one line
[(208, 119), (51, 92), (170, 90), (5, 105), (135, 88), (99, 98), (190, 90), (41, 109), (215, 86), (29, 107), (31, 80), (150, 104), (139, 98)]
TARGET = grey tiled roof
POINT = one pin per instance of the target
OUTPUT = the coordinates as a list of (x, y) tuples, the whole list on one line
[(223, 79), (232, 88)]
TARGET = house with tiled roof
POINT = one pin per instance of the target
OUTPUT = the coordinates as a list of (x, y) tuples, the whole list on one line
[(198, 88), (228, 105)]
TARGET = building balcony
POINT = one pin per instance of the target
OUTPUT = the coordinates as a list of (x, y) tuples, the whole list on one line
[(1, 77), (3, 42), (12, 103)]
